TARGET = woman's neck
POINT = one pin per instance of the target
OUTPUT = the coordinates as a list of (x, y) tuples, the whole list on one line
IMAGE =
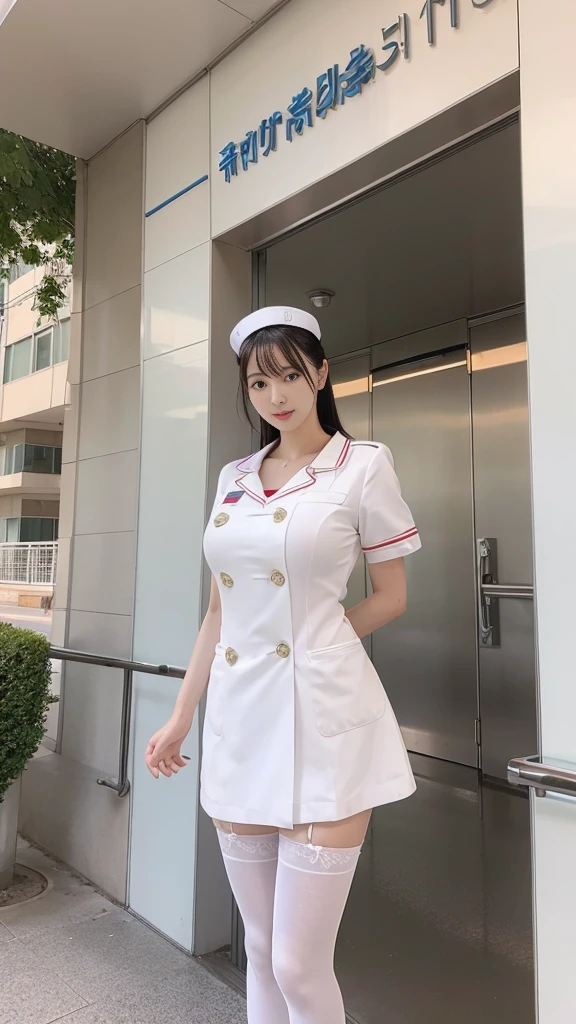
[(306, 440)]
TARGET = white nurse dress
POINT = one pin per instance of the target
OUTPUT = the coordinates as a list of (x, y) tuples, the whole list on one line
[(298, 727)]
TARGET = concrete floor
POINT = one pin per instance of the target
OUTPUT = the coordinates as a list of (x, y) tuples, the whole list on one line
[(73, 956)]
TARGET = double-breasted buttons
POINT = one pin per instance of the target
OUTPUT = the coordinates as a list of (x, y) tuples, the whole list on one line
[(278, 578), (279, 515), (226, 579), (282, 650), (221, 519), (231, 656)]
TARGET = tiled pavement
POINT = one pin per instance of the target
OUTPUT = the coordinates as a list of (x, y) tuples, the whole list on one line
[(73, 956)]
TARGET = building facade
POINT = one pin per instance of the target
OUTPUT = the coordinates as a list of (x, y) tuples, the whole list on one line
[(238, 192), (34, 360)]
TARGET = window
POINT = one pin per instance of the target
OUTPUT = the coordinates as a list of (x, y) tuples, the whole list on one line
[(12, 530), (43, 351), (32, 530), (28, 530), (36, 353), (17, 360), (61, 348), (33, 458), (19, 269)]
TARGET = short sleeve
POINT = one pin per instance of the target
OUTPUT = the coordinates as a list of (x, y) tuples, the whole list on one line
[(386, 525)]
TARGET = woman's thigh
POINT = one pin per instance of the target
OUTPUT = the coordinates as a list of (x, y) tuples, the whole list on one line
[(334, 834), (244, 830)]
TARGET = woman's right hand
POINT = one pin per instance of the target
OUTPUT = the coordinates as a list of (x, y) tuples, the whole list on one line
[(163, 750)]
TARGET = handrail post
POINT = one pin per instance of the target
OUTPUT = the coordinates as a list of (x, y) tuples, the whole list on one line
[(122, 787)]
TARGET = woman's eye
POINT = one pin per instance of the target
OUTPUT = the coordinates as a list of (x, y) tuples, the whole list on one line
[(258, 384), (293, 375)]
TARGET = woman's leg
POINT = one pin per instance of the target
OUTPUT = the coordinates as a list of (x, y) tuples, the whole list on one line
[(316, 865), (251, 857)]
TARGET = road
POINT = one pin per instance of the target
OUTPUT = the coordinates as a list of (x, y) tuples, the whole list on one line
[(27, 618)]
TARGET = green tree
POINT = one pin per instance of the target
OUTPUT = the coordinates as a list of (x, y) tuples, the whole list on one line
[(37, 193)]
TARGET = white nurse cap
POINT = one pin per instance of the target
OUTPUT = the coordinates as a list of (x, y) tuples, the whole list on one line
[(273, 316)]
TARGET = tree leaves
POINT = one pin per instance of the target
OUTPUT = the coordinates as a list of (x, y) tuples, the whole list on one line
[(37, 195)]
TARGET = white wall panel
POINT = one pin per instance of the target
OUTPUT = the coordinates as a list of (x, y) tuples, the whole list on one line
[(106, 494), (113, 258), (177, 156), (176, 302), (167, 613), (177, 145), (103, 577), (548, 85), (309, 36), (554, 825), (109, 418), (112, 335), (178, 227), (171, 519), (549, 156), (92, 714), (164, 821)]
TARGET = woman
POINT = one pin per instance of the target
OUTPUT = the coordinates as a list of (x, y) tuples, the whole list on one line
[(300, 742)]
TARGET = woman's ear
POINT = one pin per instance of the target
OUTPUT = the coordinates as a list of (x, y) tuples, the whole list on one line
[(322, 375)]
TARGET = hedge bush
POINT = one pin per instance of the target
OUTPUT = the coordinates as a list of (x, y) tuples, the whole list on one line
[(25, 675)]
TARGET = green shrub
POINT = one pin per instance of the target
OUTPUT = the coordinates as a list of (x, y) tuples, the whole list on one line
[(25, 673)]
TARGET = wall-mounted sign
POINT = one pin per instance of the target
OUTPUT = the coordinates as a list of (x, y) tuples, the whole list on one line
[(334, 87)]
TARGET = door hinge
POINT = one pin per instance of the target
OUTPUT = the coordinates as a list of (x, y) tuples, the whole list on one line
[(478, 731)]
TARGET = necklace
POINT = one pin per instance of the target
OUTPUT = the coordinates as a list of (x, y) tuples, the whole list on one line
[(310, 455)]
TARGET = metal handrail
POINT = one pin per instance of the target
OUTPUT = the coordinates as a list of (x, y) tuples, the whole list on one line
[(544, 778), (128, 668)]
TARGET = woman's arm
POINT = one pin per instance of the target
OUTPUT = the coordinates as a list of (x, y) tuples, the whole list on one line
[(386, 603), (198, 672)]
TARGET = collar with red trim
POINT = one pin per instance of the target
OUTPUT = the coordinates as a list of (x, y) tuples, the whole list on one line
[(332, 456)]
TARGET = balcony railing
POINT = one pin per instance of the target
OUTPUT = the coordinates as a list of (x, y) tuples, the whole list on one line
[(33, 563)]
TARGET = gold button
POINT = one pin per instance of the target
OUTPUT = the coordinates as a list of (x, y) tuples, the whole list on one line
[(226, 579), (278, 578), (231, 656), (222, 518), (279, 515), (282, 650)]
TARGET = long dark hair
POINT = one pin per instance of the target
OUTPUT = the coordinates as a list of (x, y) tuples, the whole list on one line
[(294, 343)]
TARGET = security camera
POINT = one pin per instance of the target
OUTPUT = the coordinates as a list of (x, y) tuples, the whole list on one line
[(321, 297)]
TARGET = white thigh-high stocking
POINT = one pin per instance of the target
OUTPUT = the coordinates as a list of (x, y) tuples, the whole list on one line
[(312, 886), (251, 863)]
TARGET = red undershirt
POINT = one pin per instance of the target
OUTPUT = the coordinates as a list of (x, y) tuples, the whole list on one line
[(270, 493)]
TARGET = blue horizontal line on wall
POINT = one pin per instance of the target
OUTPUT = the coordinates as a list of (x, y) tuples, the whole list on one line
[(182, 192)]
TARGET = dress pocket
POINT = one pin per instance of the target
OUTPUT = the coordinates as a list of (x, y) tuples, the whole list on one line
[(346, 689)]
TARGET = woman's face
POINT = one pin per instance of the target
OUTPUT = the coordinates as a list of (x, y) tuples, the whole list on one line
[(285, 400)]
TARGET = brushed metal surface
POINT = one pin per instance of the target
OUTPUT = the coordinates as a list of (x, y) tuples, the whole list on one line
[(427, 659), (503, 511)]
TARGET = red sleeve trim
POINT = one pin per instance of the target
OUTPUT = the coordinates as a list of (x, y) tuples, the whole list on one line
[(413, 532)]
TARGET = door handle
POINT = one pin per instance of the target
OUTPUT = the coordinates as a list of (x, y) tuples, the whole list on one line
[(508, 590), (490, 592), (489, 618)]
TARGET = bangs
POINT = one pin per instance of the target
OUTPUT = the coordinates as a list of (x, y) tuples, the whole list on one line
[(269, 345)]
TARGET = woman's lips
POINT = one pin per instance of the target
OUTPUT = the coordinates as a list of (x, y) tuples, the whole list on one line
[(283, 415)]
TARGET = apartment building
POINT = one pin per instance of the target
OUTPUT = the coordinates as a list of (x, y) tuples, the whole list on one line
[(34, 366)]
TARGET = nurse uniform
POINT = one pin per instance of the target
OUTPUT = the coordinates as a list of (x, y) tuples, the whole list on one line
[(298, 727)]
